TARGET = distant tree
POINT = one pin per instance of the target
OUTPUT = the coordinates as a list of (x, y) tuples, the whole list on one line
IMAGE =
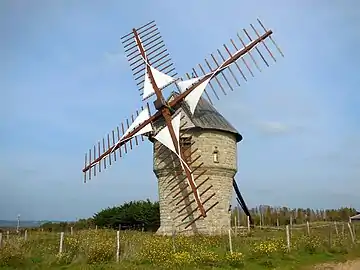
[(134, 214), (84, 224), (54, 226)]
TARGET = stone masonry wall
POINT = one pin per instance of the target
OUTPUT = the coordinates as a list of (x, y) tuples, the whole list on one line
[(176, 212)]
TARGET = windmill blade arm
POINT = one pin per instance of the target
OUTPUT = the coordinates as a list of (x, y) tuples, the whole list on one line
[(225, 68), (126, 135), (112, 149), (224, 65), (153, 50), (242, 52)]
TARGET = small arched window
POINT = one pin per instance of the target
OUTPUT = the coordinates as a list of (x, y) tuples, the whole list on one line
[(216, 155)]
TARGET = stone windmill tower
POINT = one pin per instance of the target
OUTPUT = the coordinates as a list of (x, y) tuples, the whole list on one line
[(210, 143), (194, 146)]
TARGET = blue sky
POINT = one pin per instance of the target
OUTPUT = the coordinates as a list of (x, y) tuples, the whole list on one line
[(65, 82)]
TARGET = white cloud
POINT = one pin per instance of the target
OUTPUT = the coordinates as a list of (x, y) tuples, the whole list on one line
[(273, 127), (115, 57)]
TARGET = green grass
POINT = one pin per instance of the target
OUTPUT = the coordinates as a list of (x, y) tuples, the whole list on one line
[(96, 249)]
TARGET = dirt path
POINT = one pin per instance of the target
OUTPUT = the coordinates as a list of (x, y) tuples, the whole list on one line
[(349, 265)]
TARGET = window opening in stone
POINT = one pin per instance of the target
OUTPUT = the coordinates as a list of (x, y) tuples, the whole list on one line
[(216, 155), (185, 145)]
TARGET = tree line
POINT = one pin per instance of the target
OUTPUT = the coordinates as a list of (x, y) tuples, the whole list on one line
[(135, 215), (145, 215), (274, 216)]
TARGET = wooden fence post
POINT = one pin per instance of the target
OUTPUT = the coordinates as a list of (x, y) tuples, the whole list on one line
[(336, 228), (7, 236), (288, 237), (351, 233), (330, 235), (354, 232), (117, 246), (61, 242), (230, 242), (0, 240), (308, 227), (248, 223), (25, 235)]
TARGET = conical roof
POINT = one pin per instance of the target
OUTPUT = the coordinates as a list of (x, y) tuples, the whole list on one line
[(206, 117)]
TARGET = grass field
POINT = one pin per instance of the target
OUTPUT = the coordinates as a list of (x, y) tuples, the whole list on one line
[(265, 248)]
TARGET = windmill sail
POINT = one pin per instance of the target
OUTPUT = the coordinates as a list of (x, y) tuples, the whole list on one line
[(164, 137), (193, 98), (142, 117), (156, 52), (117, 143), (185, 84), (232, 63), (161, 79)]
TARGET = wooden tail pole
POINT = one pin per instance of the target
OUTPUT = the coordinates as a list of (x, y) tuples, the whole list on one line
[(241, 201)]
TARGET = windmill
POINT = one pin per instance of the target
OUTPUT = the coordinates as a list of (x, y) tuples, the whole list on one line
[(187, 194)]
